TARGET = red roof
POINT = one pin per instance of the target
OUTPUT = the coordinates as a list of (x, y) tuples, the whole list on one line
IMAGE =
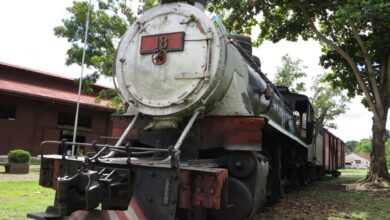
[(351, 156), (365, 156), (28, 82)]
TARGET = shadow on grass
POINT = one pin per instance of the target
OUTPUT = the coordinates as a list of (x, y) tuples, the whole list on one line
[(328, 199)]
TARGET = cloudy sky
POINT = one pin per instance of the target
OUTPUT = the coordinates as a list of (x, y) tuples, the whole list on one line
[(27, 40)]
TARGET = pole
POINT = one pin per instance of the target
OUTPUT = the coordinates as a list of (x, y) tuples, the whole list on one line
[(76, 119)]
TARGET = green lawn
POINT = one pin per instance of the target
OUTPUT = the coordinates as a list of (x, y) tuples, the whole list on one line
[(19, 198), (21, 193), (325, 199), (354, 171)]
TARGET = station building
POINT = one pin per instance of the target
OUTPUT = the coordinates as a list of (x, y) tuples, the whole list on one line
[(37, 106)]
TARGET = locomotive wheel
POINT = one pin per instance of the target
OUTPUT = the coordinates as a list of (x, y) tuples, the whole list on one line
[(275, 187), (239, 202), (303, 176), (320, 173), (241, 164)]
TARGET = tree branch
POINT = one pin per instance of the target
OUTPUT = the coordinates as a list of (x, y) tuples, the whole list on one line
[(370, 69), (339, 50)]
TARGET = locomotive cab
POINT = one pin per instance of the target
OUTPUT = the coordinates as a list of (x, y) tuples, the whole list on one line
[(303, 112)]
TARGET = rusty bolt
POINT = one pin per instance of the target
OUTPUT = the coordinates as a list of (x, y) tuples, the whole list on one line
[(196, 203), (211, 191), (198, 190), (212, 178), (211, 204)]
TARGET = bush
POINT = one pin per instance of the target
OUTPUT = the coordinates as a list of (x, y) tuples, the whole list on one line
[(18, 156)]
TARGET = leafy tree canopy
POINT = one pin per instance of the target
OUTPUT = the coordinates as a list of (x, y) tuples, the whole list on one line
[(350, 145), (328, 102), (355, 35), (109, 20), (290, 74), (338, 24)]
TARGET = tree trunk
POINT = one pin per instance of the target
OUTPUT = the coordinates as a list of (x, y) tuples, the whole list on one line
[(378, 173)]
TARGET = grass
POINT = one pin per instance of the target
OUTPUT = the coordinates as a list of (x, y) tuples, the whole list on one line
[(328, 199), (19, 198), (354, 171), (21, 193), (325, 199)]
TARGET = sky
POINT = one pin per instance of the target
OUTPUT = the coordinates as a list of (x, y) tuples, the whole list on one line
[(27, 39)]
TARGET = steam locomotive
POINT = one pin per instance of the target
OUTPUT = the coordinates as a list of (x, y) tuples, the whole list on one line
[(206, 134)]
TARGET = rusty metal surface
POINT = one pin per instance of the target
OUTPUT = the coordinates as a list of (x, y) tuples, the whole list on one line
[(231, 131), (208, 189), (49, 173), (119, 124)]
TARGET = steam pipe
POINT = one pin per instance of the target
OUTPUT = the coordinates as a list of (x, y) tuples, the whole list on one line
[(124, 135), (185, 132)]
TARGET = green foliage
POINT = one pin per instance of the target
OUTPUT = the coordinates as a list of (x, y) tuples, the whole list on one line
[(364, 146), (18, 156), (116, 101), (328, 102), (334, 20), (146, 5), (350, 145), (290, 74), (355, 36), (109, 20)]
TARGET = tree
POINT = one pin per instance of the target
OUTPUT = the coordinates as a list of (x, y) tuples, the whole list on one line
[(355, 35), (290, 73), (328, 102), (350, 146), (364, 146), (109, 19)]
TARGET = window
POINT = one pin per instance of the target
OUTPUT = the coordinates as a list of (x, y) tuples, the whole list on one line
[(358, 161), (7, 111), (68, 135), (304, 120), (67, 118)]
